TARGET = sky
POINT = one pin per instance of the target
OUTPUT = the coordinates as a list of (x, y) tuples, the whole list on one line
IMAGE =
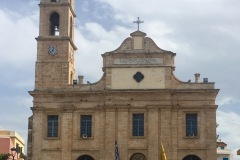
[(204, 34)]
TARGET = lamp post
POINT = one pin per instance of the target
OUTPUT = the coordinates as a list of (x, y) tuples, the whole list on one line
[(13, 152)]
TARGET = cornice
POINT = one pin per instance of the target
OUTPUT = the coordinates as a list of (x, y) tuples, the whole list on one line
[(56, 38)]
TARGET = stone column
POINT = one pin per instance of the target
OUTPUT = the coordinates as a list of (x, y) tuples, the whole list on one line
[(110, 134), (211, 134), (37, 133), (152, 134), (174, 130), (102, 133), (66, 133), (122, 132), (165, 136)]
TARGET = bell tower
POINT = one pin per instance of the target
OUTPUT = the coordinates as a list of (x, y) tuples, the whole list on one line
[(55, 44)]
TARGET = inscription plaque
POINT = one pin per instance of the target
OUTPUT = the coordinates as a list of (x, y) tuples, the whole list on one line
[(138, 61)]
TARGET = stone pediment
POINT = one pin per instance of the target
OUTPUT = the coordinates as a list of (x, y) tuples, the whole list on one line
[(138, 43), (138, 50), (138, 55)]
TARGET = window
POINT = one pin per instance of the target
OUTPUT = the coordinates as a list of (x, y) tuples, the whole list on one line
[(225, 158), (54, 24), (18, 148), (191, 125), (52, 126), (86, 126), (138, 124), (55, 0), (138, 77)]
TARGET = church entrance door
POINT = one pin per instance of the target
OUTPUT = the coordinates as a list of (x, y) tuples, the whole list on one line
[(191, 157), (138, 156), (85, 157)]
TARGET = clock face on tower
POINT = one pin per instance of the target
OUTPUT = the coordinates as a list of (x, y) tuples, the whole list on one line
[(52, 50)]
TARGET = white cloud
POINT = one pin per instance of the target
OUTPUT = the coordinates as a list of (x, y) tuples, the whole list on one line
[(204, 34), (225, 101), (17, 29), (228, 130), (18, 55), (91, 45)]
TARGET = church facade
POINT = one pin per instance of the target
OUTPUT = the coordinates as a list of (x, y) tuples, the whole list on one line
[(135, 108)]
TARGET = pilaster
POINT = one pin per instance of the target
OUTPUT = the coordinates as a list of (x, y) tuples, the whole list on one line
[(153, 137), (66, 133), (110, 134)]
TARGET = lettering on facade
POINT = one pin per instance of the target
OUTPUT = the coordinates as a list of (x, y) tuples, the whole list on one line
[(138, 61)]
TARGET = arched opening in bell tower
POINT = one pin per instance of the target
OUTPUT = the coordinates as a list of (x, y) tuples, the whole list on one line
[(54, 24)]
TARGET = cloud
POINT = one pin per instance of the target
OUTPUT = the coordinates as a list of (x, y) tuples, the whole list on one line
[(18, 48), (91, 44), (18, 56), (228, 130), (204, 34), (17, 28)]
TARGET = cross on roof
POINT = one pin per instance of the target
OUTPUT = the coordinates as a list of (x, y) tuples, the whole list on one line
[(138, 22)]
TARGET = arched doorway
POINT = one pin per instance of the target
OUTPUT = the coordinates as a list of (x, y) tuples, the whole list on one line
[(138, 156), (85, 157), (191, 157)]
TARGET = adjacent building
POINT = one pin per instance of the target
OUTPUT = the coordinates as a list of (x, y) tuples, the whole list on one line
[(10, 139), (137, 105), (223, 153)]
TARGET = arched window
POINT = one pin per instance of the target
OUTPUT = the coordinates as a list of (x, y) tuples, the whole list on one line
[(138, 156), (54, 24), (85, 157), (191, 157)]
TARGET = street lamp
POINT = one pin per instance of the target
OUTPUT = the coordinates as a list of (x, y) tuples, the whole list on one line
[(13, 152)]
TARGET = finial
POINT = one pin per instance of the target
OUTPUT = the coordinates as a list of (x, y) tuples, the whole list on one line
[(138, 22)]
